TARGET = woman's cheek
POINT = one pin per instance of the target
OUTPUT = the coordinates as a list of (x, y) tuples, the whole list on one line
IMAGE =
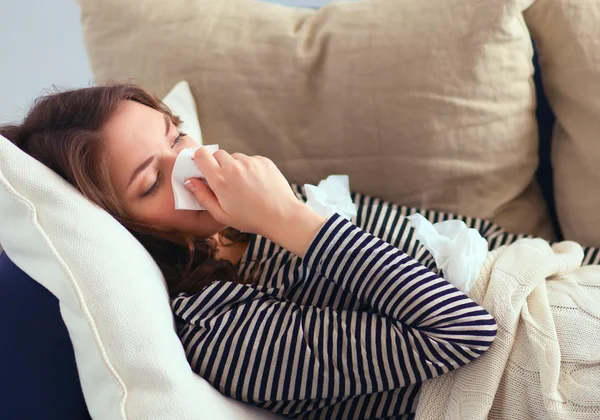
[(157, 212)]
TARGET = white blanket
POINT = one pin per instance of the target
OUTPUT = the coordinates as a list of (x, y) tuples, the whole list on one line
[(545, 361)]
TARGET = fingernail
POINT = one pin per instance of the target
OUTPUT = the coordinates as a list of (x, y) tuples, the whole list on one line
[(190, 185)]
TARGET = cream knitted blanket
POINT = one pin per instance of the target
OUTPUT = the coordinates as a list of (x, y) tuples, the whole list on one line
[(545, 361)]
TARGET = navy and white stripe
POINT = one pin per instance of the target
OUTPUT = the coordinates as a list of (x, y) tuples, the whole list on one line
[(348, 332), (309, 340)]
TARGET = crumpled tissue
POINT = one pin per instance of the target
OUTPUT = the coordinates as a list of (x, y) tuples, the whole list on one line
[(458, 250), (332, 195), (184, 169)]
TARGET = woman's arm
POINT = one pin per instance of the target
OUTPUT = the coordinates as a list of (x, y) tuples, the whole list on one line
[(288, 357), (295, 229), (400, 288), (389, 281)]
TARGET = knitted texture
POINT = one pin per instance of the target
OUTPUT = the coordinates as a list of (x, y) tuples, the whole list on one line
[(544, 363)]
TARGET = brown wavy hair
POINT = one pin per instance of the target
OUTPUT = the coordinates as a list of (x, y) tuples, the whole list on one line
[(63, 130)]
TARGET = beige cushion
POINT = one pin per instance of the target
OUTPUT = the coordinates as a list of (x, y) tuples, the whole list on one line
[(567, 34), (425, 103)]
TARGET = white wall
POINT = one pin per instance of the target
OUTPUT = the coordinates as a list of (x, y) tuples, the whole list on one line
[(41, 45), (302, 3)]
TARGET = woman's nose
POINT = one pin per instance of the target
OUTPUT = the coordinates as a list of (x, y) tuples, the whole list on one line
[(169, 162), (174, 152)]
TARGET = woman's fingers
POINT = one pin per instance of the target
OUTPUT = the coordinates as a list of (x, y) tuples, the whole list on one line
[(223, 158), (237, 187), (206, 162), (207, 199), (239, 156)]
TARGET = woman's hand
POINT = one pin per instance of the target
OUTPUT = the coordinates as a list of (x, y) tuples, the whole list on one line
[(252, 195)]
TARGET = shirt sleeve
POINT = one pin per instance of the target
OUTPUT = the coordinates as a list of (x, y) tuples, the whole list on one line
[(290, 358)]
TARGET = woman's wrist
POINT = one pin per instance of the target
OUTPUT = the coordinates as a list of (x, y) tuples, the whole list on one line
[(296, 229)]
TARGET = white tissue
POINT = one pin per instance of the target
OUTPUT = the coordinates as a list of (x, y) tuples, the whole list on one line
[(184, 169), (332, 195), (458, 250)]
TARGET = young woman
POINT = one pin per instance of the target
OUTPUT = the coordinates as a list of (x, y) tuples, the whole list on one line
[(301, 315)]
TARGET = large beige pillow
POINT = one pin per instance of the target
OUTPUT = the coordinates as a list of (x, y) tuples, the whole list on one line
[(425, 103), (567, 35)]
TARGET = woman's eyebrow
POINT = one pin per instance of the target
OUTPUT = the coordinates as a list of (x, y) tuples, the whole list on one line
[(167, 123), (148, 161), (140, 168)]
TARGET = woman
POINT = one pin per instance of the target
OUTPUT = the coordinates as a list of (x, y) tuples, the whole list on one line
[(301, 315)]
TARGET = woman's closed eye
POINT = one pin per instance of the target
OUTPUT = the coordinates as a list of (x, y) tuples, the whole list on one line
[(159, 176), (154, 188)]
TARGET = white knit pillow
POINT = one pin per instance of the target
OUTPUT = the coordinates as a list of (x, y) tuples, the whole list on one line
[(181, 102), (113, 299)]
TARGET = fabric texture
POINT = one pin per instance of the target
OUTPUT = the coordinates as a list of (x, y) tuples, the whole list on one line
[(380, 90), (544, 361), (567, 36), (39, 375), (348, 332), (112, 298)]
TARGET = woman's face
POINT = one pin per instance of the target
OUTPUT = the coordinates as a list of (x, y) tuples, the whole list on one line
[(142, 145)]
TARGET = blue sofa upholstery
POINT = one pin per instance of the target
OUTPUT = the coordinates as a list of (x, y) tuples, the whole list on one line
[(546, 119), (39, 375), (40, 379)]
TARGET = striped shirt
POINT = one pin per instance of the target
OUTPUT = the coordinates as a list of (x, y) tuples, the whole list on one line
[(348, 332)]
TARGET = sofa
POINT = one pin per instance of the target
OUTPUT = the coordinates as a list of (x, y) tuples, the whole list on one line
[(50, 388), (38, 357)]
